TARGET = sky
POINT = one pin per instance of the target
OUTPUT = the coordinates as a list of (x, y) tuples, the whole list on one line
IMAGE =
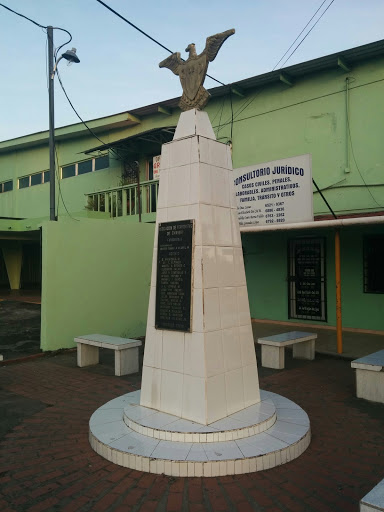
[(119, 66)]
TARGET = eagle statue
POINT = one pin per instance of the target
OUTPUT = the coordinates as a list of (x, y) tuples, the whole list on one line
[(192, 72)]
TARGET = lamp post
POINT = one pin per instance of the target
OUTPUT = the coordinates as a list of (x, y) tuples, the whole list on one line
[(70, 56)]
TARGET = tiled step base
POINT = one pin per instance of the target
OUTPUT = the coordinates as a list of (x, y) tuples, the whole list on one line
[(159, 425), (285, 440)]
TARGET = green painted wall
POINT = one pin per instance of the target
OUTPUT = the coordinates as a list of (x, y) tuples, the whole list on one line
[(278, 121), (96, 279), (265, 257)]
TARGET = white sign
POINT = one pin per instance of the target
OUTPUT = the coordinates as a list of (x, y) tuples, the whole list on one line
[(275, 192), (156, 167)]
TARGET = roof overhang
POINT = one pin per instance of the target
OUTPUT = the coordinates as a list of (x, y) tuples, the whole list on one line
[(144, 142)]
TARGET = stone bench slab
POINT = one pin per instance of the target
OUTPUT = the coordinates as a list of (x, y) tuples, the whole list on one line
[(373, 362), (126, 352), (104, 341), (374, 500), (287, 338), (272, 347)]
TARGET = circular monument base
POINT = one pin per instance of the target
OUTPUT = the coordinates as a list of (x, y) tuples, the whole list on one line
[(262, 436)]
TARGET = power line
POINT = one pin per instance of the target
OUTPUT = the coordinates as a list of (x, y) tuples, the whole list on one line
[(23, 16), (145, 34), (249, 102), (307, 34), (81, 119), (277, 63), (357, 167)]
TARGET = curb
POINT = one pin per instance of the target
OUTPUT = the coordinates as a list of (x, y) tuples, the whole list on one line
[(32, 357)]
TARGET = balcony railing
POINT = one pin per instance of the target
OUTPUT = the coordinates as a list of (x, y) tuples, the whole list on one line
[(123, 201)]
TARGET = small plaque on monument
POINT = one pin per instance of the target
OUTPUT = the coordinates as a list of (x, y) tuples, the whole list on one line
[(174, 276)]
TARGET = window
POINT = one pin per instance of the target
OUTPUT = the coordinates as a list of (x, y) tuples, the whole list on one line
[(95, 164), (6, 186), (306, 279), (24, 182), (34, 179), (373, 264), (102, 162)]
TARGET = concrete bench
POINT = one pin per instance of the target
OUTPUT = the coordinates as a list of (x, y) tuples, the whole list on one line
[(126, 352), (374, 500), (272, 347), (370, 376)]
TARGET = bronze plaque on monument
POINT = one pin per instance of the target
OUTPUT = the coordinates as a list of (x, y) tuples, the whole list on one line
[(174, 275)]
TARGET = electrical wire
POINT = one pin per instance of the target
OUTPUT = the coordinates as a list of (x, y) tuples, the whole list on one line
[(307, 34), (146, 35), (60, 192), (81, 119), (277, 63), (250, 101), (357, 167), (23, 16), (302, 102)]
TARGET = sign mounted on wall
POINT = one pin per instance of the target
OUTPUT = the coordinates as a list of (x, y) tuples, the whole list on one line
[(156, 167), (275, 192)]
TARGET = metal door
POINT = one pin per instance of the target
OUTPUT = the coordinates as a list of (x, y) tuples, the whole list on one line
[(307, 279)]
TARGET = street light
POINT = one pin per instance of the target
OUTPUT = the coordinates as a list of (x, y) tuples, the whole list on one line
[(70, 56)]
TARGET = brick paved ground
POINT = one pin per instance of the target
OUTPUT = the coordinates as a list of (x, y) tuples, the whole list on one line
[(46, 463)]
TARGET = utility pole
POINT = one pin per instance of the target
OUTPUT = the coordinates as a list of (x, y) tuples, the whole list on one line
[(52, 176)]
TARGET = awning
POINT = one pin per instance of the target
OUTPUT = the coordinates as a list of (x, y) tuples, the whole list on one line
[(144, 142)]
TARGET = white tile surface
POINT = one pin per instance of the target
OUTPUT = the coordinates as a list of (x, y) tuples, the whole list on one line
[(234, 390), (228, 307), (177, 213), (211, 309), (194, 184), (222, 225), (243, 305), (214, 355), (171, 392), (197, 311), (205, 184), (235, 229), (210, 267), (173, 351), (293, 416), (222, 451), (197, 453), (183, 152), (225, 266), (102, 416), (109, 432), (194, 354), (193, 399), (231, 348), (197, 268), (216, 400), (239, 267), (178, 186), (247, 345), (171, 451), (251, 385), (162, 198), (220, 186), (150, 387), (206, 221), (153, 347), (135, 444), (151, 307)]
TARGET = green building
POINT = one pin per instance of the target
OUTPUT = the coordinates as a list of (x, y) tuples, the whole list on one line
[(93, 265)]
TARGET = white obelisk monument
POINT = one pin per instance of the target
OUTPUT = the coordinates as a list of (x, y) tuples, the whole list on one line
[(199, 359)]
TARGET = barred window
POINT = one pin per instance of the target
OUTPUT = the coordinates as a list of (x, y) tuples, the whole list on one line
[(374, 264)]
